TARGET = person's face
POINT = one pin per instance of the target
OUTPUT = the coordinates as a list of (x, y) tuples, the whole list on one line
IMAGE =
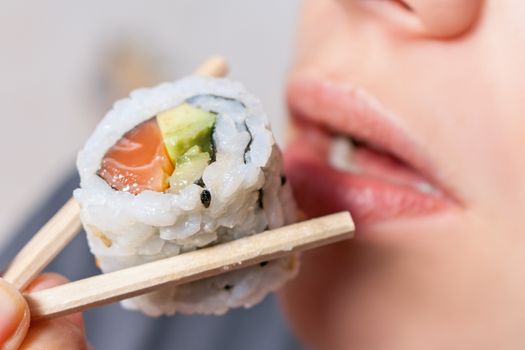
[(432, 95)]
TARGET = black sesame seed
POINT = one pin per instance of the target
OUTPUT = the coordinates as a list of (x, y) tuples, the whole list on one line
[(206, 198), (264, 263), (283, 180), (228, 287)]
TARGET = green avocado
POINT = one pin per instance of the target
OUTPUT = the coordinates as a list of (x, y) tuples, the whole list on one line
[(190, 167), (185, 127), (193, 154)]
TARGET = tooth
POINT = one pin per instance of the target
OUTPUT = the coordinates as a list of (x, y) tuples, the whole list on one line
[(340, 155), (425, 187)]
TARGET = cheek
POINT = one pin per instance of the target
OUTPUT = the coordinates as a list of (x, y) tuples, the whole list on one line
[(318, 22)]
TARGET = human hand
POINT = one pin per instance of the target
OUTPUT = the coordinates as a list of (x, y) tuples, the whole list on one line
[(16, 332)]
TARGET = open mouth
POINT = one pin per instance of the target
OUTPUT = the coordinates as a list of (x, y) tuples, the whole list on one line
[(349, 154), (356, 157)]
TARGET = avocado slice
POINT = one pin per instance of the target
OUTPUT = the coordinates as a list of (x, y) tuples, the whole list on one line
[(184, 127), (190, 167)]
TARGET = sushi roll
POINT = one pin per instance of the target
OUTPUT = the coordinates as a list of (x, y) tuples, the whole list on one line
[(180, 167)]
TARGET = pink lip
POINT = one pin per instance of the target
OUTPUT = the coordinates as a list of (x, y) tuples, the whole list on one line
[(318, 107)]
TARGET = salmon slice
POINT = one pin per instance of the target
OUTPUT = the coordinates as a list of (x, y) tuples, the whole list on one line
[(138, 161)]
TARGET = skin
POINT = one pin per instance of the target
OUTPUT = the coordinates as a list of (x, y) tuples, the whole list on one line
[(452, 73), (16, 332)]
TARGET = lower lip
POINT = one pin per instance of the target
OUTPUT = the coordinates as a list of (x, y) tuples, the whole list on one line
[(320, 189)]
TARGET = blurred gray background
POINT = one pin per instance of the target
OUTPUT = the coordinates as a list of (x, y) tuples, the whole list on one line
[(62, 63)]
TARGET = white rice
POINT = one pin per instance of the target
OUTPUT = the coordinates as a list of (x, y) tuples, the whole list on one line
[(125, 229)]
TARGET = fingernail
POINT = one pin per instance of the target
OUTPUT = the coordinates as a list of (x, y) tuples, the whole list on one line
[(14, 317)]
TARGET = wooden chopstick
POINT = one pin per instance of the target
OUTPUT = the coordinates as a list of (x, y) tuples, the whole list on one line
[(214, 66), (44, 246), (47, 243), (110, 287)]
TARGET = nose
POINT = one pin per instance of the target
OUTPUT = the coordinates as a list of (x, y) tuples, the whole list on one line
[(444, 18)]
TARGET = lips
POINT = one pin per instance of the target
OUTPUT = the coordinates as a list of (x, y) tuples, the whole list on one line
[(351, 154)]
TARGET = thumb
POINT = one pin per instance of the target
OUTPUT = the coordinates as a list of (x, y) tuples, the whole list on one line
[(14, 317)]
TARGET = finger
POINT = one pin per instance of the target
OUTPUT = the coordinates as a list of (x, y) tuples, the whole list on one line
[(63, 333), (50, 280), (55, 334), (14, 316)]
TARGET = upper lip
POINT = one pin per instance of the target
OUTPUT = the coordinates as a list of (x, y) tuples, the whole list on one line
[(352, 111)]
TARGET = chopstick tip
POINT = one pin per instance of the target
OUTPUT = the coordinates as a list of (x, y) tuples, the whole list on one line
[(215, 65)]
